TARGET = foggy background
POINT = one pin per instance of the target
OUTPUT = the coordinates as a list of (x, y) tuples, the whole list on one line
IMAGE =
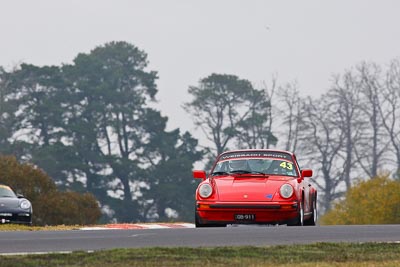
[(303, 41)]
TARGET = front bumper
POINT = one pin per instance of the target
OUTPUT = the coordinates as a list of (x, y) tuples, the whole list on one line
[(15, 216), (264, 213)]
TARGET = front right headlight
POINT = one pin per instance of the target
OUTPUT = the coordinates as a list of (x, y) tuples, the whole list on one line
[(205, 190), (25, 204)]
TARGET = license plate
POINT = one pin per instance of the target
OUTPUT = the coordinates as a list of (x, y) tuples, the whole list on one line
[(245, 217)]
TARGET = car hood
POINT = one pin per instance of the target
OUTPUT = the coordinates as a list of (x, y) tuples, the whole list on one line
[(248, 188), (9, 202)]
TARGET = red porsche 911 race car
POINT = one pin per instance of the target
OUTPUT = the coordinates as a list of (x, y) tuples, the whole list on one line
[(255, 187)]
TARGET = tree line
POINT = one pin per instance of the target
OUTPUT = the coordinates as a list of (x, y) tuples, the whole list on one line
[(89, 125), (350, 132)]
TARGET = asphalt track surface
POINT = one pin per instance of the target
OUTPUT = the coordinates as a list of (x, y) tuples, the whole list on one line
[(15, 242)]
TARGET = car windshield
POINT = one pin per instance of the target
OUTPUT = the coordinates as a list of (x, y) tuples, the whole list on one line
[(5, 191), (267, 166)]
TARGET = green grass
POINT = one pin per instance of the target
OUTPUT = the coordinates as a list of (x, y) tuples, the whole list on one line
[(18, 227), (320, 254)]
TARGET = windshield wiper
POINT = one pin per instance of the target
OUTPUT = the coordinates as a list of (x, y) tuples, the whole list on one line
[(247, 172), (219, 173), (238, 172), (257, 172), (241, 171)]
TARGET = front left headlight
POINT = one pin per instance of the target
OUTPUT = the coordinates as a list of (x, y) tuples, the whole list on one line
[(25, 204), (286, 191)]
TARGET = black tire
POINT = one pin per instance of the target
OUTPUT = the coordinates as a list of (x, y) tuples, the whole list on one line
[(300, 221), (198, 224), (300, 216), (197, 221), (313, 220)]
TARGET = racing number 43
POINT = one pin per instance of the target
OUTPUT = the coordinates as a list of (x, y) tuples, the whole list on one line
[(286, 165)]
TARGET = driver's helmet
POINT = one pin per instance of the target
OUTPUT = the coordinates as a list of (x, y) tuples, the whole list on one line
[(239, 164)]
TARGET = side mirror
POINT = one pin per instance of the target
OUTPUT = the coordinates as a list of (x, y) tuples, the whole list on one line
[(306, 173), (199, 174), (20, 196)]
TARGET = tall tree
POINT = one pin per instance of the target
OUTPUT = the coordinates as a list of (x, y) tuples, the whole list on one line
[(254, 131), (110, 119), (390, 109), (290, 112), (374, 142), (39, 108), (346, 96), (323, 147), (7, 113), (38, 125), (172, 187), (115, 130), (227, 108), (269, 91)]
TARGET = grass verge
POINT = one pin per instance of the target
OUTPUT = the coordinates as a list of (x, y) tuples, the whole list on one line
[(319, 254), (18, 227)]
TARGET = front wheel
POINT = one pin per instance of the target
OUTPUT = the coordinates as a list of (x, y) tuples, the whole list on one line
[(198, 224), (313, 220), (197, 221), (300, 216)]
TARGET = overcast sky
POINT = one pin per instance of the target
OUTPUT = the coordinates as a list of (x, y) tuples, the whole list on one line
[(187, 40)]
